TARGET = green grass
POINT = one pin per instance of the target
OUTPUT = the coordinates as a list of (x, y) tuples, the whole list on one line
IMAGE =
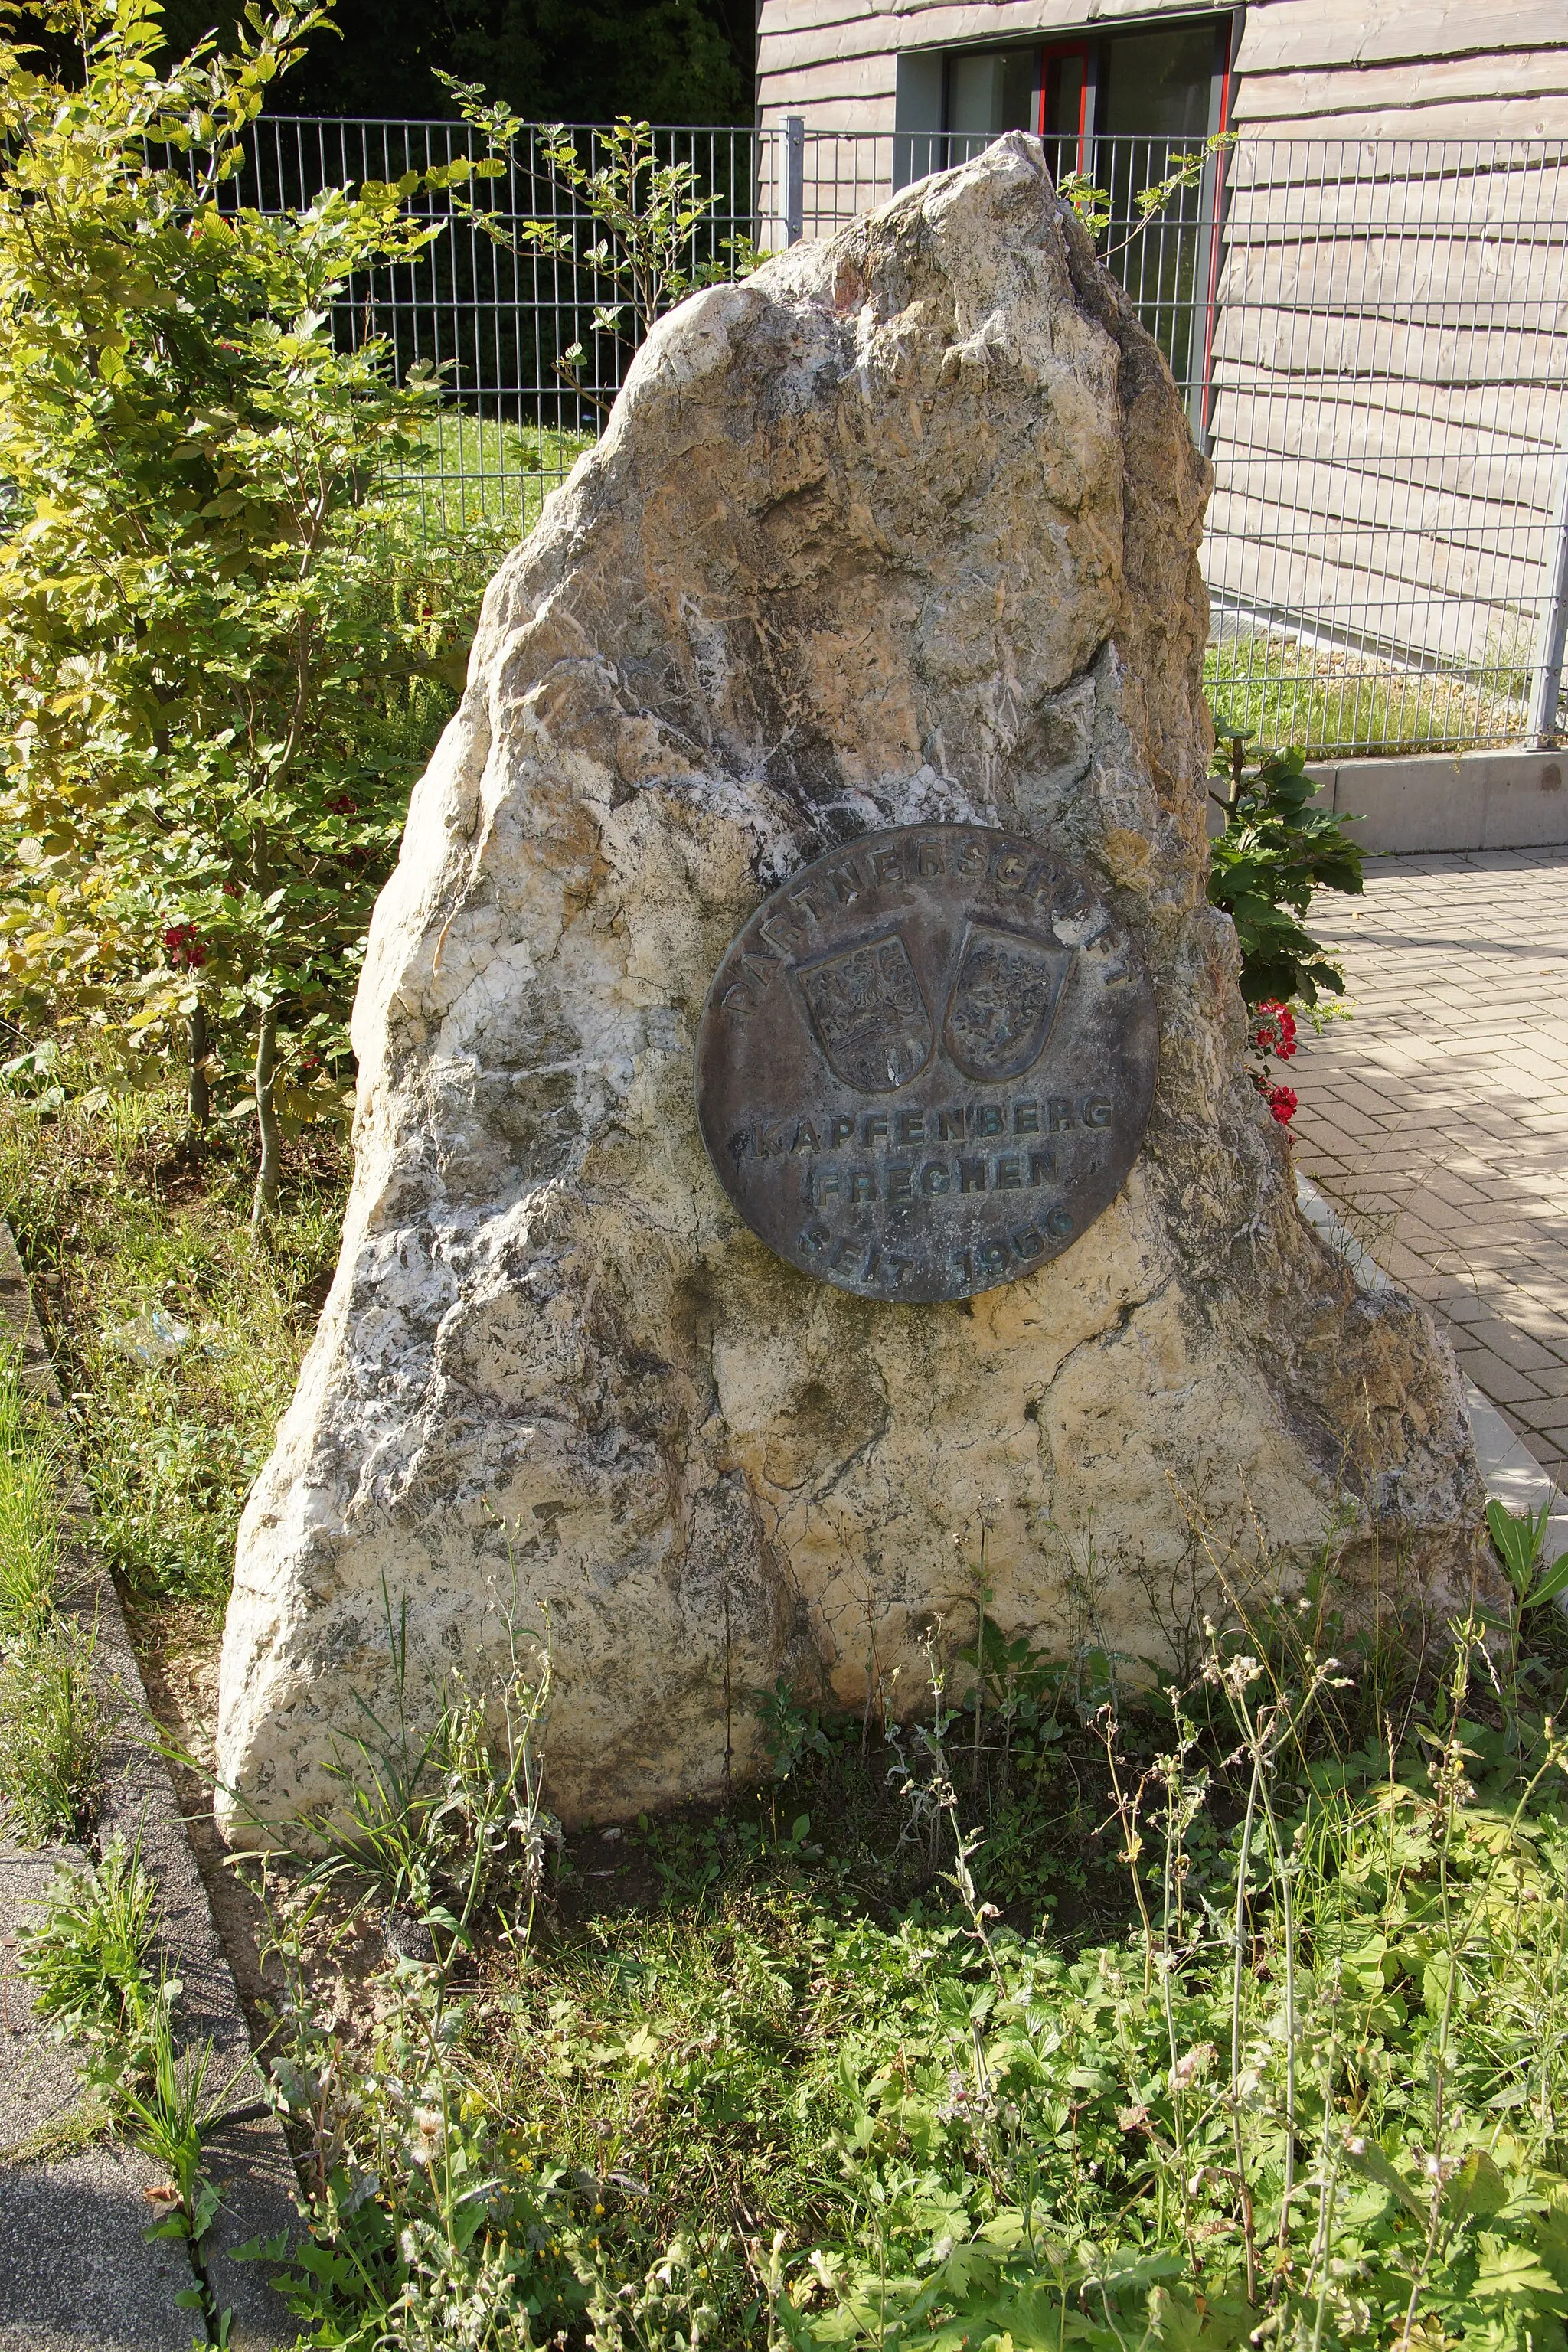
[(1329, 703), (120, 1219), (53, 1736), (29, 1509), (482, 475), (52, 1730), (1237, 2018), (1267, 2029)]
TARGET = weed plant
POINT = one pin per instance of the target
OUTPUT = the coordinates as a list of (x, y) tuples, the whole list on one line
[(92, 1956), (53, 1733), (1237, 2017), (1236, 2014), (96, 1972), (1232, 2019)]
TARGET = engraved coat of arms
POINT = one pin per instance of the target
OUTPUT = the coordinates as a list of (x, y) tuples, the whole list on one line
[(868, 1011), (1003, 1001)]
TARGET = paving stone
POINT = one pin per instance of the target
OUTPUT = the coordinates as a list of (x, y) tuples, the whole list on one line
[(1445, 1102)]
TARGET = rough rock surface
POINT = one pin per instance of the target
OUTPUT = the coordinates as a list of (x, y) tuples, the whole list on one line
[(902, 529)]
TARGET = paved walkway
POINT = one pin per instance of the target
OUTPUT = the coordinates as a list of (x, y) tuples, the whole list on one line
[(1437, 1119)]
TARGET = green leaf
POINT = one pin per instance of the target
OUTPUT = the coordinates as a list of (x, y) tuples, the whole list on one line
[(1477, 2190), (1551, 2244), (1367, 2157), (1554, 1582), (1515, 2272), (1517, 1537)]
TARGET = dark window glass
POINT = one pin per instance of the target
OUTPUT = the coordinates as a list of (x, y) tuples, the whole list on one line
[(1062, 111), (1155, 95), (1063, 94), (990, 91), (1157, 84)]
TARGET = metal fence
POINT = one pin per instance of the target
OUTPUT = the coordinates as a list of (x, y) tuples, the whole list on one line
[(498, 314), (1372, 339)]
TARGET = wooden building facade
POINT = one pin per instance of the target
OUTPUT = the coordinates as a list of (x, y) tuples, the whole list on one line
[(1321, 68), (1366, 298)]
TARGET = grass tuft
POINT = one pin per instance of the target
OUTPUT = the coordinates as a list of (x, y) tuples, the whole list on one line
[(29, 1510), (121, 1220), (53, 1733)]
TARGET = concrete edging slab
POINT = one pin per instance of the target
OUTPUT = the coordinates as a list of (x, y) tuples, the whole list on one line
[(1450, 801)]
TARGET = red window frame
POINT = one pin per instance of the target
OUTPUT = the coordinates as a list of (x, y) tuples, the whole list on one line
[(1055, 55)]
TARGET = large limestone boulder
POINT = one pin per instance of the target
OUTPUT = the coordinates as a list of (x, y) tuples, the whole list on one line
[(902, 530)]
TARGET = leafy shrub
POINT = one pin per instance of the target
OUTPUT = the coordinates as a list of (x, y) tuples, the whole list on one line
[(219, 618), (1277, 851)]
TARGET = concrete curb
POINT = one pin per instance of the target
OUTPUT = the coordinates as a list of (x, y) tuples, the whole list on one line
[(1449, 801), (1510, 1470), (249, 2160)]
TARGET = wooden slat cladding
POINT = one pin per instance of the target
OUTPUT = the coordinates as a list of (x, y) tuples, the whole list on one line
[(1375, 67), (1311, 345), (1484, 83), (1480, 441), (1322, 594), (1504, 119), (1379, 498), (1295, 35), (843, 81), (1446, 278), (953, 22), (1387, 405), (1307, 192), (1502, 563)]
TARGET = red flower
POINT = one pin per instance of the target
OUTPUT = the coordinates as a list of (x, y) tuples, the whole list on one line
[(1282, 1104), (344, 806), (1275, 1031), (185, 950), (232, 889)]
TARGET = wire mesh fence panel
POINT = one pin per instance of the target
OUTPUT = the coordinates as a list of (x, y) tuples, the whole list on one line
[(1372, 339), (1386, 417), (528, 313)]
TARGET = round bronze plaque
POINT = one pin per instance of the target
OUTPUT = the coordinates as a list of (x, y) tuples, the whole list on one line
[(926, 1064)]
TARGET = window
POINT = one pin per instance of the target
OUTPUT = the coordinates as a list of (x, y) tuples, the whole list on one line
[(1118, 108), (1149, 85), (990, 91), (1158, 85), (1066, 85)]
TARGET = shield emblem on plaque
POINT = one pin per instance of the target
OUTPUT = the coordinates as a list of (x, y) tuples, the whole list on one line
[(1003, 1001), (868, 1012)]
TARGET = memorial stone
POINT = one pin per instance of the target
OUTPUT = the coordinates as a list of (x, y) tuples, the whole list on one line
[(804, 1102)]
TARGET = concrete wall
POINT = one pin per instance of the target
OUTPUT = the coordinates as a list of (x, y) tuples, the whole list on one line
[(1478, 800)]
